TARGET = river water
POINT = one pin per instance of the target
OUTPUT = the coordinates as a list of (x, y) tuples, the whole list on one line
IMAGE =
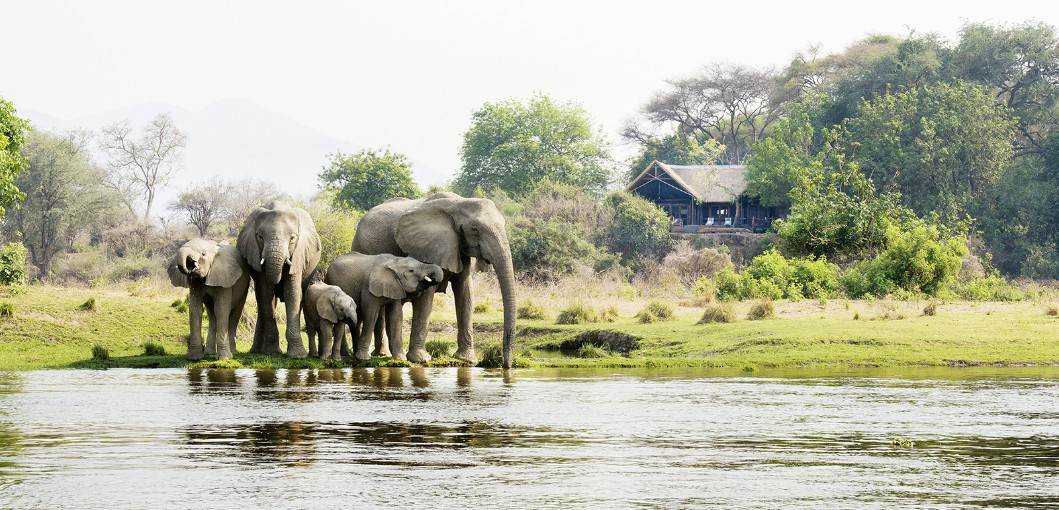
[(544, 438)]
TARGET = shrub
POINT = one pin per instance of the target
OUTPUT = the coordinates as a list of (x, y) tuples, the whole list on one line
[(664, 311), (335, 227), (577, 314), (491, 355), (646, 317), (730, 285), (640, 228), (588, 350), (694, 266), (153, 349), (608, 314), (7, 310), (989, 288), (100, 353), (13, 265), (531, 311), (721, 312), (438, 348), (549, 249), (931, 309), (89, 305), (482, 307), (762, 310), (923, 259)]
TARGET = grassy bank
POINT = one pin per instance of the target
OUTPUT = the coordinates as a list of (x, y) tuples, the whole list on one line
[(50, 328)]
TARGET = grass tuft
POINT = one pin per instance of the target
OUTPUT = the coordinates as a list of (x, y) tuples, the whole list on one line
[(577, 314), (762, 310), (1052, 310), (438, 348), (646, 317), (7, 310), (531, 311), (482, 307), (100, 353), (931, 309), (588, 350), (89, 305), (608, 314), (664, 311), (721, 313), (153, 349)]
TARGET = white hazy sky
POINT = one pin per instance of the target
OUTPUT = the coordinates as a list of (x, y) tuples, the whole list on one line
[(408, 74)]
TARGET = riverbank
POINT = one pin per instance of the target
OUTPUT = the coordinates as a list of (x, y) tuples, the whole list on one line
[(53, 327)]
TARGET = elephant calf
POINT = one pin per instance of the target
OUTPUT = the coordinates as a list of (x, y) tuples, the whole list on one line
[(328, 311), (218, 278), (382, 282)]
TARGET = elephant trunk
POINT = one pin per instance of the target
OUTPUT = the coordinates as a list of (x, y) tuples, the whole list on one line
[(274, 256), (505, 275)]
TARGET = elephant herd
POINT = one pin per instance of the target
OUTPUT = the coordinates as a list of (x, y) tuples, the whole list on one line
[(403, 251)]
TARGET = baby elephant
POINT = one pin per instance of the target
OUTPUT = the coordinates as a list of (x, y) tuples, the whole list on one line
[(219, 278), (378, 283), (328, 311)]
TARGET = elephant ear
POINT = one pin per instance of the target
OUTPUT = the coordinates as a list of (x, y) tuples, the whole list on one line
[(306, 254), (228, 266), (383, 282), (175, 276), (247, 241), (428, 233), (325, 308)]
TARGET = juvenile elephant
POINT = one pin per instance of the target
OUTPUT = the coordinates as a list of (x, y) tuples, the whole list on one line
[(448, 230), (382, 282), (281, 245), (328, 311), (218, 277)]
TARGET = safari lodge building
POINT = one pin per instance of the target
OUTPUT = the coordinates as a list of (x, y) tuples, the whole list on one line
[(704, 198)]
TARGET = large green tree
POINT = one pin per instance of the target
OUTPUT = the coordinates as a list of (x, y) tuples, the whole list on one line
[(514, 145), (12, 137), (64, 197), (368, 178)]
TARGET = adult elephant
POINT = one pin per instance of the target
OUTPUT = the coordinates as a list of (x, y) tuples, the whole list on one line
[(444, 229), (281, 245)]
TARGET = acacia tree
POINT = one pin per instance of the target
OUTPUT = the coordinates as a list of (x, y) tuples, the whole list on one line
[(514, 145), (205, 204), (730, 104), (365, 179), (143, 165), (63, 197), (12, 138)]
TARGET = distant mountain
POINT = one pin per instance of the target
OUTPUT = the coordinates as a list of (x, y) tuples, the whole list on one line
[(233, 139)]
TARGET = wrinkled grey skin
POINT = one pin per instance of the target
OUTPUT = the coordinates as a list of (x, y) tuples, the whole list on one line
[(378, 284), (280, 244), (218, 278), (445, 229), (328, 312)]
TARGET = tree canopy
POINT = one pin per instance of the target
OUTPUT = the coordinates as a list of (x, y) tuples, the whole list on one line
[(513, 146), (143, 165), (363, 180), (12, 137)]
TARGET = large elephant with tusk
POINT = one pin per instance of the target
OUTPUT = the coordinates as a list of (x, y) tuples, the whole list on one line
[(281, 245)]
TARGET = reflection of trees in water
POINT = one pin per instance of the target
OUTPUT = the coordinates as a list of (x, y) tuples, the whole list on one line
[(11, 439), (294, 444)]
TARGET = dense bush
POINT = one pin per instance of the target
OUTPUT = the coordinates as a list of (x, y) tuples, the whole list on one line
[(335, 227), (772, 276), (13, 265), (762, 310), (721, 312), (691, 265), (990, 288), (577, 313), (639, 228), (922, 260), (531, 311), (552, 248)]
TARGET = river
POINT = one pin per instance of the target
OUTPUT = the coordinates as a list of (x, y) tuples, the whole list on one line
[(540, 438)]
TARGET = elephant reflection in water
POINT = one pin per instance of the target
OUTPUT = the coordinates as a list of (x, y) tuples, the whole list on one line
[(288, 443), (210, 380)]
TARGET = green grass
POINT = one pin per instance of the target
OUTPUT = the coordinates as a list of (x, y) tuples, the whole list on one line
[(49, 331)]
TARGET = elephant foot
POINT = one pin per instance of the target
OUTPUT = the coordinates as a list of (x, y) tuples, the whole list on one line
[(224, 355), (362, 355), (297, 352), (380, 352), (418, 355), (271, 350), (194, 356), (399, 355), (467, 354)]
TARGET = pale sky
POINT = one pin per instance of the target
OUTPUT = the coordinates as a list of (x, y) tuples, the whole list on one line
[(408, 75)]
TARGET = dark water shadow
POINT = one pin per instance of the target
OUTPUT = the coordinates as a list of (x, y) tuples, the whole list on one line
[(213, 380), (12, 441)]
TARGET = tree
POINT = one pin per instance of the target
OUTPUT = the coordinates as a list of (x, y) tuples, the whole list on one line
[(780, 161), (941, 147), (205, 204), (247, 195), (144, 165), (674, 149), (513, 146), (727, 103), (639, 229), (365, 179), (12, 138), (63, 196)]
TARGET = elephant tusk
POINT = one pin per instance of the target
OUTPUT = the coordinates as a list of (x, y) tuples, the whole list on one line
[(262, 261), (428, 280)]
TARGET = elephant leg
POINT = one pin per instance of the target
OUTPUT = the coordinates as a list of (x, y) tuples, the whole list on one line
[(367, 328), (310, 331), (234, 314), (353, 332), (422, 305), (461, 293), (295, 347), (326, 332), (222, 306), (195, 320), (266, 333), (338, 339), (381, 347), (211, 336), (394, 325)]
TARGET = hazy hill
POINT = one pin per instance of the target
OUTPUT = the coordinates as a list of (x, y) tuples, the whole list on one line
[(232, 138)]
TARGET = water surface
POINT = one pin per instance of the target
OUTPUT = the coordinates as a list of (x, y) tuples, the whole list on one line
[(529, 438)]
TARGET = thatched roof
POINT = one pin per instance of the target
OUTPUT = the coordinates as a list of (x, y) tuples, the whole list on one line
[(707, 183)]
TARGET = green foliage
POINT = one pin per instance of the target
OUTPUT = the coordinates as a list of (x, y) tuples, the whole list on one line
[(336, 228), (664, 311), (551, 248), (588, 350), (772, 276), (514, 145), (779, 162), (438, 348), (363, 180), (718, 313), (646, 317), (923, 260), (491, 355), (13, 265), (7, 309), (675, 149), (577, 313), (531, 311), (763, 309), (640, 228), (89, 305), (482, 307), (100, 353), (153, 349), (608, 314), (12, 137), (990, 288)]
